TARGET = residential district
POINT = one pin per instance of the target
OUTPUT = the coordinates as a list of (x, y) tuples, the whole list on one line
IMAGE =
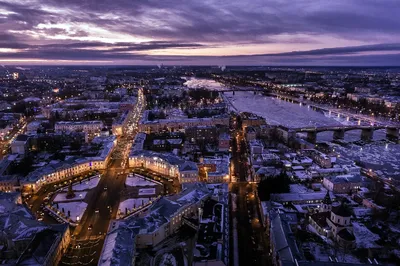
[(199, 166)]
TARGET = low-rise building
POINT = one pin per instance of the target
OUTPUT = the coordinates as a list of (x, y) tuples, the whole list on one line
[(343, 183)]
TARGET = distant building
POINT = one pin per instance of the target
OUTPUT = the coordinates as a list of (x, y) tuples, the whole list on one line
[(250, 133), (20, 144), (224, 142), (179, 124)]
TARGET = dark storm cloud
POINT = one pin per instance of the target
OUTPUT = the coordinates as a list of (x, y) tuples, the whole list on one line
[(240, 20), (342, 50), (193, 24)]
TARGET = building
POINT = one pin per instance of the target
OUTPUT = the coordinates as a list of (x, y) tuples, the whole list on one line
[(249, 119), (8, 182), (216, 169), (147, 229), (334, 222), (26, 241), (224, 142), (89, 127), (342, 183), (118, 126), (300, 198), (20, 144), (179, 124), (32, 127), (70, 167), (202, 134), (150, 226), (251, 133), (165, 164), (138, 142)]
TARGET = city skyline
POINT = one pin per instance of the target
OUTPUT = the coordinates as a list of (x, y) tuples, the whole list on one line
[(355, 33)]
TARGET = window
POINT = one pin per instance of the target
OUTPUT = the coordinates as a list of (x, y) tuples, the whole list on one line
[(338, 221)]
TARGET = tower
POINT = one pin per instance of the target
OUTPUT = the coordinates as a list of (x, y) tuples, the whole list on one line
[(326, 204)]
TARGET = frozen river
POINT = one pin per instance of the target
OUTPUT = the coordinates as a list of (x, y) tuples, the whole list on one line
[(377, 155)]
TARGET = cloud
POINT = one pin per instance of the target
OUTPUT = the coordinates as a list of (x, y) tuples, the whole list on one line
[(138, 29)]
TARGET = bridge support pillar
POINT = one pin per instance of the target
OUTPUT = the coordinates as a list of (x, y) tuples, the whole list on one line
[(312, 136), (367, 134), (392, 133), (338, 134)]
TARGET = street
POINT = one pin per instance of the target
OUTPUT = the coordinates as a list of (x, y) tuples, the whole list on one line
[(252, 241), (103, 202), (102, 208), (251, 238)]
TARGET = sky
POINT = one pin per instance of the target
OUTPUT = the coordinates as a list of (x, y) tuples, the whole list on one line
[(206, 32)]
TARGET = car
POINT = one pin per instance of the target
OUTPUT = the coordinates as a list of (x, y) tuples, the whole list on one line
[(90, 227), (105, 187), (96, 211)]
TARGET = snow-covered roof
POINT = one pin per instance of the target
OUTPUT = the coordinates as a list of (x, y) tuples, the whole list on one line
[(119, 244)]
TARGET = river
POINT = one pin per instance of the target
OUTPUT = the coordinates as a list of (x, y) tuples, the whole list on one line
[(379, 155)]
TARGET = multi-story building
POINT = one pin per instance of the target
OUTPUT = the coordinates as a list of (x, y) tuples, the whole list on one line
[(71, 167), (216, 169), (342, 183), (20, 144), (202, 134), (224, 142), (165, 164), (26, 241), (118, 126), (150, 226), (89, 127), (179, 124)]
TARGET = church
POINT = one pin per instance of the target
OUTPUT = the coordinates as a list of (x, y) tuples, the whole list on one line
[(334, 222)]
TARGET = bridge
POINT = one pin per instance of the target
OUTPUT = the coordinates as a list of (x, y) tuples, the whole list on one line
[(367, 132), (235, 89)]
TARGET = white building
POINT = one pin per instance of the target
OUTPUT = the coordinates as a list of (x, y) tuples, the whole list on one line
[(89, 127), (70, 167), (165, 164)]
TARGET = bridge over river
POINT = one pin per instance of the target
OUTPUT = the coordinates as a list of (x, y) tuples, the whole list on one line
[(392, 132)]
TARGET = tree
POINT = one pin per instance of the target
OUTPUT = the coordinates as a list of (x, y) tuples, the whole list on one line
[(273, 184), (70, 193)]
